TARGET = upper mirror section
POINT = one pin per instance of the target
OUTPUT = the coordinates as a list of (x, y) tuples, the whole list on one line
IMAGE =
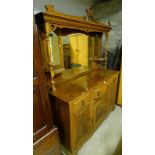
[(69, 38)]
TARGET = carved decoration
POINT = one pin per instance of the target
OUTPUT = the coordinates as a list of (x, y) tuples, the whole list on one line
[(90, 15), (49, 7)]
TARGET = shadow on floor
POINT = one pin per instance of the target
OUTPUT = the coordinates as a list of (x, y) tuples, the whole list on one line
[(118, 150)]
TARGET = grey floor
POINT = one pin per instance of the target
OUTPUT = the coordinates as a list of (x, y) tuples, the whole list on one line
[(107, 137)]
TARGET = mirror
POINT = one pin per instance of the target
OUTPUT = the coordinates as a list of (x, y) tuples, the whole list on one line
[(54, 43), (73, 50), (77, 50), (80, 49)]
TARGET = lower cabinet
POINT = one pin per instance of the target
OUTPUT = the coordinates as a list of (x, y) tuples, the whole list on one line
[(80, 117)]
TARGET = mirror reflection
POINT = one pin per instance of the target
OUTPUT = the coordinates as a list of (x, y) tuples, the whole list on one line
[(75, 49), (54, 43)]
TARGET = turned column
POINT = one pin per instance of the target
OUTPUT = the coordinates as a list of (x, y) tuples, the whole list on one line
[(106, 50), (50, 54)]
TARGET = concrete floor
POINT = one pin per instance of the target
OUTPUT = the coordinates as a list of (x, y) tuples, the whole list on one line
[(107, 139)]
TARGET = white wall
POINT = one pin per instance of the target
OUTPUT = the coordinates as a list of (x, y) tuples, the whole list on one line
[(72, 7), (111, 11)]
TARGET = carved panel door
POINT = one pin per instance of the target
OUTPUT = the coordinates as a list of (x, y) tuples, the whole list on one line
[(80, 120), (42, 118), (100, 99)]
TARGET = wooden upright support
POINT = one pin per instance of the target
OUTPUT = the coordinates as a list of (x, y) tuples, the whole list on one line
[(106, 50)]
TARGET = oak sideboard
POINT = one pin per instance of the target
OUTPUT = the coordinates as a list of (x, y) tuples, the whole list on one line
[(80, 105)]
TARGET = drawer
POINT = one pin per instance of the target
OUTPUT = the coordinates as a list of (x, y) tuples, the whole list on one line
[(98, 93), (48, 145), (83, 100)]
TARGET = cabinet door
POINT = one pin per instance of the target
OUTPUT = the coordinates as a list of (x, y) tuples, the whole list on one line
[(112, 92), (99, 105), (42, 117), (80, 120)]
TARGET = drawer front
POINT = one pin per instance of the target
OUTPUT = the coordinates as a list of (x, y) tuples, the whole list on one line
[(80, 120), (100, 103), (48, 145), (98, 93)]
